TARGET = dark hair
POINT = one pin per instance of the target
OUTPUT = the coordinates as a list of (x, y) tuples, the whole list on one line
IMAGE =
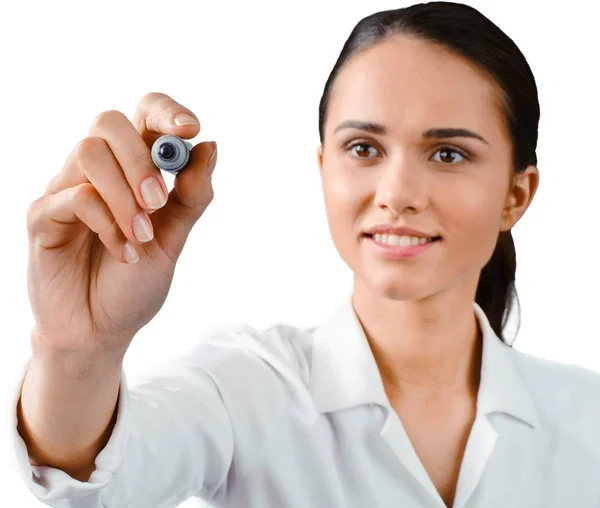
[(467, 32)]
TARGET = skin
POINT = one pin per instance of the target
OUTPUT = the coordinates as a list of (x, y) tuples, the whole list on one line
[(417, 312)]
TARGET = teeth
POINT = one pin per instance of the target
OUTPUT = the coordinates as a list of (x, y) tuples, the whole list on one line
[(402, 241)]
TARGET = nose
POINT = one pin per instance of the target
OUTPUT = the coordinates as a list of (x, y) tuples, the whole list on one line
[(402, 187)]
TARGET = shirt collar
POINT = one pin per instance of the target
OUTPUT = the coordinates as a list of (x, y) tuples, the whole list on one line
[(344, 372)]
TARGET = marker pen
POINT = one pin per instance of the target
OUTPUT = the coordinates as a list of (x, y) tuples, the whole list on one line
[(171, 153)]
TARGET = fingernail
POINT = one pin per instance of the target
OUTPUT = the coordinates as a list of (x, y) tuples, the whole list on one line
[(212, 161), (142, 227), (185, 119), (153, 193), (129, 253)]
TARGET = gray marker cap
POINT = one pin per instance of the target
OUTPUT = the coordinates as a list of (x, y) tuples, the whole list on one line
[(171, 153)]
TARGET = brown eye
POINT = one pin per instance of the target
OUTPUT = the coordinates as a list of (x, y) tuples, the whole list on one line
[(363, 149), (446, 155)]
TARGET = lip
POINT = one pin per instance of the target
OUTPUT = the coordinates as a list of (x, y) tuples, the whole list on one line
[(394, 230), (398, 252)]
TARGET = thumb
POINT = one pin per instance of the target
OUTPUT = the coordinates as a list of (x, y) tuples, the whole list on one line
[(189, 198)]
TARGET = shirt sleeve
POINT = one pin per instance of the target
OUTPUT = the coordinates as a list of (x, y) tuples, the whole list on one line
[(172, 440)]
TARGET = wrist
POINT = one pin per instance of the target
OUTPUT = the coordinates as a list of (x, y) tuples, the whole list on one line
[(74, 364)]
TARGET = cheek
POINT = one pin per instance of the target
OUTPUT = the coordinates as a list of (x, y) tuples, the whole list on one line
[(471, 213), (338, 186), (344, 200), (472, 223)]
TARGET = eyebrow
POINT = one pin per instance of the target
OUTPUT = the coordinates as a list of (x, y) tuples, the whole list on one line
[(437, 133)]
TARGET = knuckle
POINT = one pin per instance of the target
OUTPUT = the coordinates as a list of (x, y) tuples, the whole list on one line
[(106, 118), (125, 195), (110, 231), (152, 97), (208, 194), (149, 97), (91, 147), (34, 206), (151, 100), (82, 194), (33, 213), (142, 159)]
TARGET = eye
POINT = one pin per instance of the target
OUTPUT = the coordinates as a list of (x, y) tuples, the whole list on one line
[(446, 150), (362, 149)]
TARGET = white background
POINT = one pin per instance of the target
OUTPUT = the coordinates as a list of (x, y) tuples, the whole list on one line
[(254, 73)]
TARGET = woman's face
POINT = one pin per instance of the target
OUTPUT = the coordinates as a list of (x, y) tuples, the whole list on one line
[(460, 188)]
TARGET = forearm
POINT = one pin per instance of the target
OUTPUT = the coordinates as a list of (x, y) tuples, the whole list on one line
[(67, 410)]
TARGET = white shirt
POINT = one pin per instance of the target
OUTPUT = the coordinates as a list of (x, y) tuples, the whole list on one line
[(293, 417)]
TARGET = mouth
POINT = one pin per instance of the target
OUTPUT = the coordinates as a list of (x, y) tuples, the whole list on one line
[(399, 247), (401, 240)]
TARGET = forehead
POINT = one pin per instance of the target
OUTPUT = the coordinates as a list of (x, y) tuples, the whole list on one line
[(407, 82)]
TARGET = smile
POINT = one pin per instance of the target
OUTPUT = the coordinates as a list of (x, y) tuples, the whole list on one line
[(402, 241), (400, 247)]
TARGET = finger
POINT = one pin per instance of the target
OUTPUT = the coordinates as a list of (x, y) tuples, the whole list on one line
[(158, 114), (94, 162), (132, 155), (191, 195), (132, 142), (53, 216)]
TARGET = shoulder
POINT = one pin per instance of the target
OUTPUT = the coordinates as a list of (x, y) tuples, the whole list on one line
[(563, 382), (567, 395)]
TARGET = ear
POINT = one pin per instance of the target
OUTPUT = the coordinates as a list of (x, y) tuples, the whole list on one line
[(320, 157), (518, 198)]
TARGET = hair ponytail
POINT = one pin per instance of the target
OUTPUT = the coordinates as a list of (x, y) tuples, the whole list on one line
[(496, 292)]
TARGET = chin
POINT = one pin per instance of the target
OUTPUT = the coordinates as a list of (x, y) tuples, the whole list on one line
[(403, 293), (394, 288)]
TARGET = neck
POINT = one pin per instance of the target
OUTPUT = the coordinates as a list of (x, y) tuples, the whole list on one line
[(423, 348)]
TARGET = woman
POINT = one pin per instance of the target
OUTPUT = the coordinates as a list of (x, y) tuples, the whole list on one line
[(409, 395)]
